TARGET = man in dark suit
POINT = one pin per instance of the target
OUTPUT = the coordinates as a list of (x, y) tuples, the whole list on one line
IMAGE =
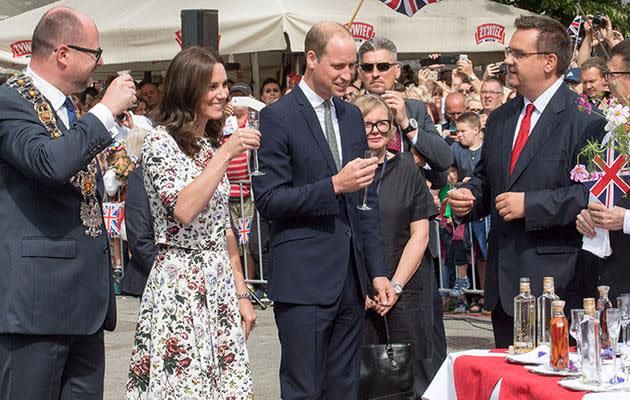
[(322, 248), (139, 226), (523, 176), (613, 270), (379, 70), (56, 287)]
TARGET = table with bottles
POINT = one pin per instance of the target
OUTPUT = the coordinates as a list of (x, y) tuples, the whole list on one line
[(539, 364)]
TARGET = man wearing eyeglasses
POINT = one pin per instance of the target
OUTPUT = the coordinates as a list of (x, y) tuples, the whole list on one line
[(613, 270), (56, 280), (379, 70), (523, 177)]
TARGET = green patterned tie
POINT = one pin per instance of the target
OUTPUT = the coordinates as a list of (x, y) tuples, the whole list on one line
[(330, 134)]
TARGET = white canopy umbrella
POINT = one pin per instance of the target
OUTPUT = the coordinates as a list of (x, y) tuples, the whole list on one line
[(142, 34), (148, 31)]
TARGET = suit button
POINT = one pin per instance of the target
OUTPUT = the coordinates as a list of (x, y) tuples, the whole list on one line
[(105, 249), (348, 233)]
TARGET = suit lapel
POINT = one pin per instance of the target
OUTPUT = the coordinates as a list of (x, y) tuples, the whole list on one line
[(345, 127), (507, 138), (310, 117), (545, 126)]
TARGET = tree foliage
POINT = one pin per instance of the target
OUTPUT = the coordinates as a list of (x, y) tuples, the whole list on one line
[(565, 10)]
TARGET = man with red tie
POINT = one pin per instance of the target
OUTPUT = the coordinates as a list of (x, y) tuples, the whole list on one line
[(523, 177)]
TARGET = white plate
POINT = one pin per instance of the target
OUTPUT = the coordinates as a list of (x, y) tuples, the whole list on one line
[(577, 384), (545, 369), (534, 357)]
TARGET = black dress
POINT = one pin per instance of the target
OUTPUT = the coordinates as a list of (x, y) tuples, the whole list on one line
[(405, 198)]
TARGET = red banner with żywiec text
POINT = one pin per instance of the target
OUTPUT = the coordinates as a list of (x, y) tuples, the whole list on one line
[(477, 376)]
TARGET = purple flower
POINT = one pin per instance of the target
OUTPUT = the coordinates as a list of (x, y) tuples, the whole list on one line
[(608, 353), (584, 104), (541, 353), (572, 367), (579, 173)]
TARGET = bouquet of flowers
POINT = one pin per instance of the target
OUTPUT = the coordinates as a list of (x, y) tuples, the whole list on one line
[(617, 141), (119, 160), (605, 172)]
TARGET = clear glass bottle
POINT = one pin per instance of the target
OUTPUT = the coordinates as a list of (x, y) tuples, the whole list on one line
[(603, 303), (524, 319), (590, 344), (559, 337), (543, 315)]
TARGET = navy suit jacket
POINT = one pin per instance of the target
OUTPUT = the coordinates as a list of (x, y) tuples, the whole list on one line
[(54, 279), (139, 225), (545, 242), (429, 143), (314, 233)]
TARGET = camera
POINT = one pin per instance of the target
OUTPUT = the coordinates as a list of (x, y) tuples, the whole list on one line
[(598, 22)]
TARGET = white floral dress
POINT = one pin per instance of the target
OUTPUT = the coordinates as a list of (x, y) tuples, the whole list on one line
[(189, 344)]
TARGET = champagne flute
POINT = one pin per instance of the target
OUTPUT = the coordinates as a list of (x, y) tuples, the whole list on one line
[(364, 207), (253, 122), (577, 314), (613, 321), (623, 304)]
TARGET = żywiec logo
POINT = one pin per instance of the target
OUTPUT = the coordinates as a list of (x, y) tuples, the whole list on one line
[(21, 48), (361, 31), (490, 33)]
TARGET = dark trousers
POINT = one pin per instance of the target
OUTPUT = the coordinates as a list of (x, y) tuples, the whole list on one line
[(502, 327), (52, 367), (320, 346)]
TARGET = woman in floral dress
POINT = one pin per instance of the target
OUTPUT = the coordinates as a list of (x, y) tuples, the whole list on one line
[(190, 338)]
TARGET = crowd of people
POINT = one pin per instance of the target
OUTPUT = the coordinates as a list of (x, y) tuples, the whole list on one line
[(465, 165)]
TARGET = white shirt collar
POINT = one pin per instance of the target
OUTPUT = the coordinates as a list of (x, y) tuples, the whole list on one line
[(54, 95), (541, 102), (312, 97)]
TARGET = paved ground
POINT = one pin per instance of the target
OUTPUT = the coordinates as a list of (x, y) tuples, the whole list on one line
[(462, 333)]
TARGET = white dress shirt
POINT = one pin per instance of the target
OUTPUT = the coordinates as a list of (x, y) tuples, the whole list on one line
[(57, 100), (318, 105), (539, 107), (626, 222)]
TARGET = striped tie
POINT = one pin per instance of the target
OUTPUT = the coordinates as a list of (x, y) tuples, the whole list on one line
[(330, 134)]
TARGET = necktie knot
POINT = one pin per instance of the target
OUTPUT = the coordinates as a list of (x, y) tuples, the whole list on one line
[(529, 110), (72, 116)]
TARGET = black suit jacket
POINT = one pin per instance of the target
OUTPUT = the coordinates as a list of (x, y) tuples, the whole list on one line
[(614, 271), (54, 278), (545, 242), (429, 143), (314, 232), (139, 225)]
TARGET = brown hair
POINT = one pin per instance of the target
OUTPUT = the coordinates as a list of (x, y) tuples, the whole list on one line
[(187, 80), (622, 49), (57, 26), (594, 62), (469, 118), (320, 34), (552, 38)]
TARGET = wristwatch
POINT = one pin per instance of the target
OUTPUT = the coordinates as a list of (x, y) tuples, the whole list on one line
[(413, 125), (397, 288), (472, 77)]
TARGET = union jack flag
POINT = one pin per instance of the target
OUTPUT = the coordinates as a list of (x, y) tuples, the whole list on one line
[(407, 7), (243, 228), (611, 184), (574, 28), (113, 215)]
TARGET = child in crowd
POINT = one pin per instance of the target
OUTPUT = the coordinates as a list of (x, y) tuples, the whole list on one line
[(466, 153)]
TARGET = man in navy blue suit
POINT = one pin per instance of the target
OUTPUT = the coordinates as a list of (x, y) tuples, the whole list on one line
[(323, 250), (55, 278), (523, 176)]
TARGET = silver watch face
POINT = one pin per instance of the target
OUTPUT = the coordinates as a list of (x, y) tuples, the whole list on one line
[(397, 288), (413, 123)]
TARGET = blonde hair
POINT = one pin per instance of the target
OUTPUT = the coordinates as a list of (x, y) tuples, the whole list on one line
[(369, 102)]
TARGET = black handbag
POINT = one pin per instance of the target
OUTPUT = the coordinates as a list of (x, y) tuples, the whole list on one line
[(386, 371)]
